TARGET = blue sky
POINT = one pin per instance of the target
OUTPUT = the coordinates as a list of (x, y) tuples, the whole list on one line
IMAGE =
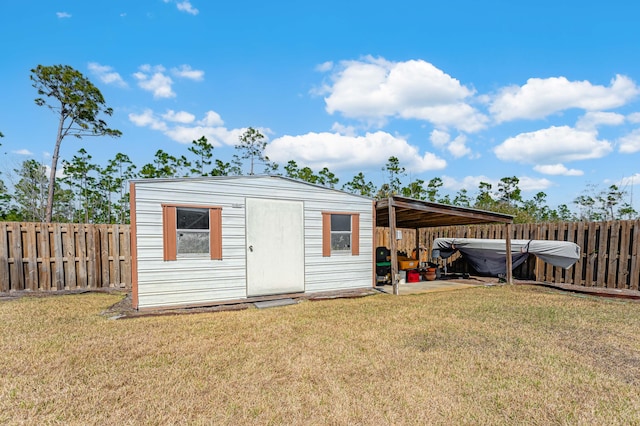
[(548, 91)]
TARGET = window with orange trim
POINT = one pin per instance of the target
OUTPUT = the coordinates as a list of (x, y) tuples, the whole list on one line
[(192, 232), (340, 233)]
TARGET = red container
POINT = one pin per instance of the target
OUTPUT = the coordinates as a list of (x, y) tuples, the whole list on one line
[(413, 276)]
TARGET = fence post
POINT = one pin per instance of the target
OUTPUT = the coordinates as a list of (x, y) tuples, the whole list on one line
[(4, 259), (31, 253), (17, 272)]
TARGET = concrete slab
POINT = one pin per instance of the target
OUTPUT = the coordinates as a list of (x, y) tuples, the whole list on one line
[(431, 286), (273, 303)]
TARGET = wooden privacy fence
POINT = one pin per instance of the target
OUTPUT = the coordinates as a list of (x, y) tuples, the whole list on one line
[(609, 250), (46, 257), (54, 256)]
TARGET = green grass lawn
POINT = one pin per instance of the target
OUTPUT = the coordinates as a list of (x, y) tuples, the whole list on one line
[(494, 355)]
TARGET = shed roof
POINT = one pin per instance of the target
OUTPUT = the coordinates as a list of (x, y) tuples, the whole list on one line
[(186, 179), (411, 213)]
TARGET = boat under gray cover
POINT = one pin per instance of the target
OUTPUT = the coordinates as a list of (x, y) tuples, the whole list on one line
[(488, 257)]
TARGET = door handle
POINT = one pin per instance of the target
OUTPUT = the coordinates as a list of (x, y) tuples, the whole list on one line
[(251, 248)]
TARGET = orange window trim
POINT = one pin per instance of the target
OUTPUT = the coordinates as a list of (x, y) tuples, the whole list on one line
[(326, 233), (215, 233), (355, 234), (169, 230)]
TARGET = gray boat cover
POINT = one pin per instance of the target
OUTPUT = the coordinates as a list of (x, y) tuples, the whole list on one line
[(488, 257)]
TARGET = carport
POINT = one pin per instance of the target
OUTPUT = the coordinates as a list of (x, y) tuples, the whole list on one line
[(398, 212)]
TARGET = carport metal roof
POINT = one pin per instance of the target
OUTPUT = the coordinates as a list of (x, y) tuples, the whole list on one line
[(402, 212), (415, 214)]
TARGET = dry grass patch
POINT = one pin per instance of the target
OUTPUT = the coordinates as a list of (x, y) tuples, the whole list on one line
[(479, 356)]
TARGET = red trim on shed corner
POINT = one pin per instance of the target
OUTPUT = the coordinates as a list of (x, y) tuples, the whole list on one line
[(134, 245)]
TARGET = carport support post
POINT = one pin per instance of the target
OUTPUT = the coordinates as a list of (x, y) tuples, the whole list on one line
[(392, 246), (507, 232), (418, 246)]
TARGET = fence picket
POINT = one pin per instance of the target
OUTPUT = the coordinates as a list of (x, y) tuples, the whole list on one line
[(30, 252), (578, 267), (70, 258), (104, 256), (4, 259), (80, 239), (44, 257), (634, 279), (623, 263), (115, 237), (91, 257), (17, 271), (592, 255), (59, 283), (612, 254)]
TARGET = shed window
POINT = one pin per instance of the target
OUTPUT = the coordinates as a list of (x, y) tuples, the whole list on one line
[(192, 231), (340, 233)]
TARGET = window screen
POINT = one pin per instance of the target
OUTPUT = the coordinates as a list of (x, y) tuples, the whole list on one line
[(192, 230), (340, 232)]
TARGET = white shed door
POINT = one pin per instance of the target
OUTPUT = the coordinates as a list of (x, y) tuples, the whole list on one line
[(275, 246)]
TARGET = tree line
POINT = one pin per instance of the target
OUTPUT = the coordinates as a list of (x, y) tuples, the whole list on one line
[(95, 193), (90, 192)]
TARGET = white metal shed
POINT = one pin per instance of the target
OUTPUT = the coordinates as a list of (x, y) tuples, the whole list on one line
[(208, 240)]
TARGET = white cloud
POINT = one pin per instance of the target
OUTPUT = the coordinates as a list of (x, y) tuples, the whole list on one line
[(147, 119), (185, 71), (23, 151), (185, 6), (634, 117), (472, 183), (179, 117), (217, 136), (557, 170), (458, 147), (154, 80), (539, 98), (376, 89), (63, 15), (630, 143), (325, 66), (591, 120), (553, 145), (211, 119), (629, 181), (317, 150), (344, 130), (106, 74), (469, 183), (532, 184), (439, 138), (210, 127)]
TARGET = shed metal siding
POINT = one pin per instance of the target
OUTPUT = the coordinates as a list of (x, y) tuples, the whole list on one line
[(199, 281)]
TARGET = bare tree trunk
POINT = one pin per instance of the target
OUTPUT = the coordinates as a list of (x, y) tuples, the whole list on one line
[(52, 175)]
